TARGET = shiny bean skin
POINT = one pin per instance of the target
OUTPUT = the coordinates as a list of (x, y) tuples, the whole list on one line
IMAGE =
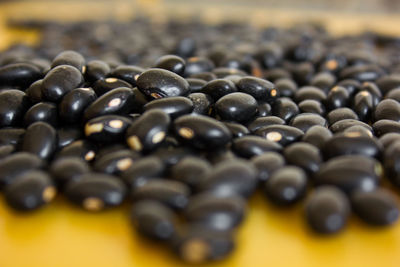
[(40, 139), (107, 129)]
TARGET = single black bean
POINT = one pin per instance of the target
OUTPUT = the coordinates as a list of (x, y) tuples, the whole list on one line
[(309, 93), (238, 107), (382, 127), (305, 121), (363, 105), (174, 106), (342, 125), (206, 76), (388, 139), (387, 109), (286, 87), (96, 70), (143, 170), (13, 105), (66, 169), (285, 109), (11, 136), (191, 170), (264, 109), (172, 63), (317, 136), (67, 135), (81, 148), (341, 114), (104, 86), (282, 134), (303, 155), (40, 139), (42, 111), (197, 65), (195, 84), (388, 82), (34, 92), (323, 80), (74, 103), (249, 146), (264, 122), (312, 106), (127, 73), (267, 163), (218, 88), (237, 129), (107, 129), (260, 89), (71, 58), (19, 75), (338, 97), (115, 162), (201, 103)]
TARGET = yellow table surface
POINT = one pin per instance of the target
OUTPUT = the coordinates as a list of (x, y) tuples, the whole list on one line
[(62, 235)]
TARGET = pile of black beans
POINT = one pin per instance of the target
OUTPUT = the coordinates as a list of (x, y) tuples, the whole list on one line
[(186, 121)]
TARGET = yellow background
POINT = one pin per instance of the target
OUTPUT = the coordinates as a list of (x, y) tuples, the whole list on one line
[(61, 235)]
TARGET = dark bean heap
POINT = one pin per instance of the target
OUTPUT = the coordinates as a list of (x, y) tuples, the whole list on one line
[(186, 121)]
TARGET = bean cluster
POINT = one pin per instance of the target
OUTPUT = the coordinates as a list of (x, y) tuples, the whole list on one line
[(186, 121)]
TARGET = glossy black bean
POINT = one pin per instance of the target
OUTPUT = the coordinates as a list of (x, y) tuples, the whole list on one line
[(118, 101), (105, 85), (143, 170), (267, 163), (67, 135), (6, 150), (358, 130), (96, 70), (11, 136), (127, 73), (17, 164), (352, 86), (282, 134), (237, 129), (312, 106), (197, 65), (185, 47), (195, 84), (30, 191), (107, 129), (317, 136), (350, 173), (229, 178), (115, 162), (202, 132), (201, 103), (388, 82), (215, 212), (238, 107), (174, 106), (19, 75), (285, 109), (159, 83), (190, 170), (172, 63), (303, 155), (342, 125), (351, 143), (172, 193), (327, 210), (363, 105), (172, 155), (309, 92), (264, 109), (341, 114), (81, 148), (305, 121), (302, 72), (66, 169), (367, 72), (206, 76), (249, 146), (373, 89), (224, 72), (13, 105), (387, 109), (196, 245), (378, 207), (260, 89), (154, 220), (74, 103), (59, 81), (264, 121), (286, 186), (42, 111), (286, 87), (388, 139), (269, 55), (96, 191), (34, 92), (71, 58), (323, 80), (40, 139), (218, 88)]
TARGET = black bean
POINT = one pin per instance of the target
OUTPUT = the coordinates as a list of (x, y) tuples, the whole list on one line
[(238, 107), (393, 94), (81, 148), (70, 58), (391, 163), (195, 84), (154, 220), (172, 63), (342, 125), (201, 103), (237, 129), (231, 177), (67, 135), (349, 173), (118, 101), (282, 134), (67, 169), (338, 97), (312, 106), (363, 105), (387, 109), (264, 109), (115, 162), (367, 72), (260, 89), (378, 207), (40, 139), (206, 76), (218, 88), (382, 127), (309, 92), (352, 86), (185, 47), (96, 70), (172, 193), (159, 83), (127, 73), (143, 170), (11, 136), (42, 111), (286, 87), (249, 146), (388, 139), (6, 150), (13, 105), (174, 106), (190, 170), (17, 164), (323, 80), (197, 65), (59, 81), (107, 129), (267, 163), (285, 109), (286, 186), (327, 210), (373, 89), (341, 114), (317, 136), (351, 143), (172, 155), (104, 86), (74, 103), (388, 82), (303, 155), (30, 191), (264, 122), (34, 92), (305, 121), (202, 132), (215, 212), (224, 72), (19, 75)]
